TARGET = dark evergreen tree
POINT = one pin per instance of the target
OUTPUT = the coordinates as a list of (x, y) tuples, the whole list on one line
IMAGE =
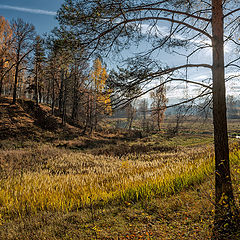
[(38, 69)]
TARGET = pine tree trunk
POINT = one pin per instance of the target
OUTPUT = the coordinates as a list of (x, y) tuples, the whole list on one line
[(75, 99), (1, 76), (15, 84), (60, 99), (224, 199), (158, 120), (41, 98), (53, 96), (16, 76), (1, 84), (36, 86), (64, 101), (48, 92)]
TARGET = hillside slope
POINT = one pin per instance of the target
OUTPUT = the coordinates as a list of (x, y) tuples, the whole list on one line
[(25, 119)]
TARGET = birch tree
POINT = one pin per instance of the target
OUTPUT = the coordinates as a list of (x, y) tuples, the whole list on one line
[(101, 103)]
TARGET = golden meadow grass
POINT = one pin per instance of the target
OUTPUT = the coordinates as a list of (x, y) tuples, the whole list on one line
[(75, 180)]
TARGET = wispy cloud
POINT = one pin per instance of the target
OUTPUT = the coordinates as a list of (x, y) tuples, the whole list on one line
[(30, 10)]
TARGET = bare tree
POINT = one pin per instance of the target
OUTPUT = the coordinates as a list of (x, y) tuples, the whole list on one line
[(143, 109), (158, 106), (23, 36), (232, 110), (181, 112), (131, 114)]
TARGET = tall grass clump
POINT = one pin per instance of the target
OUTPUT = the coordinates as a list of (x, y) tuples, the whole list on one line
[(76, 180)]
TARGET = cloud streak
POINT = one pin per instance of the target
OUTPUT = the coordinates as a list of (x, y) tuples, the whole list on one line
[(29, 10)]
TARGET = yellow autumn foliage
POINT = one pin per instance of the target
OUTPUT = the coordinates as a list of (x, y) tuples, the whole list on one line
[(99, 76), (5, 33)]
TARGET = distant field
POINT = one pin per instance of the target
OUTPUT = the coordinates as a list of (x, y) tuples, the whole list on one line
[(190, 124)]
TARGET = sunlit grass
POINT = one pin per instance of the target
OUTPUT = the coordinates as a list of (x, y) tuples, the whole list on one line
[(76, 180)]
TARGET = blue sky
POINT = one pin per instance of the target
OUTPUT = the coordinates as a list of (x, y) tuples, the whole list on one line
[(41, 13)]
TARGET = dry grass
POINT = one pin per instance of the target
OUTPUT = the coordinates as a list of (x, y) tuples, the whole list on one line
[(187, 216), (45, 178), (66, 180), (47, 192)]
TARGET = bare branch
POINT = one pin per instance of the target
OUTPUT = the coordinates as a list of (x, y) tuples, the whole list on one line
[(150, 18), (121, 102), (233, 61), (192, 82), (235, 10), (189, 100), (169, 11)]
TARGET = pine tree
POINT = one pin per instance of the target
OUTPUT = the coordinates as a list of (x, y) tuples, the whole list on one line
[(111, 25), (38, 69)]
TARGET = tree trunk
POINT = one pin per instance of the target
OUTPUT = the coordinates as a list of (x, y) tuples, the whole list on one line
[(53, 96), (130, 122), (48, 92), (87, 117), (224, 200), (91, 114), (1, 84), (15, 84), (41, 98), (158, 119), (36, 86), (60, 98), (75, 99), (64, 100), (1, 76)]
